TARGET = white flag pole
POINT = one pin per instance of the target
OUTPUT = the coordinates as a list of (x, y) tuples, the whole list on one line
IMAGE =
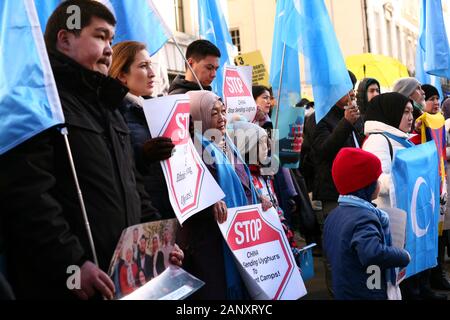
[(65, 134)]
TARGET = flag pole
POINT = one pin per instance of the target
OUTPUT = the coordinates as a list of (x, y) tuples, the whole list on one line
[(185, 60), (279, 87), (169, 34), (65, 133)]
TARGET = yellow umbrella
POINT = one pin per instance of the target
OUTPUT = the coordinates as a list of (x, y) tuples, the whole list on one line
[(385, 69)]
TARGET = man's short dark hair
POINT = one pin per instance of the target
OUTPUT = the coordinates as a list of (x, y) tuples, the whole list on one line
[(58, 19), (200, 49)]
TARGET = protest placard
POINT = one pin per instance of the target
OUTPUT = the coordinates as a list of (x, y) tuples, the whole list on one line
[(186, 175), (262, 252)]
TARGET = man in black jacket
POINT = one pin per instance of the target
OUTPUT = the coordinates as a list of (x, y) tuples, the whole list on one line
[(41, 217), (203, 56), (341, 127)]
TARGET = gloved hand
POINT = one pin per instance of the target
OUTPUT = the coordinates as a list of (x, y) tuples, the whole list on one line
[(158, 149)]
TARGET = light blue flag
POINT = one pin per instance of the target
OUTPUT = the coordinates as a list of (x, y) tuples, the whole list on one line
[(290, 118), (425, 78), (434, 40), (139, 20), (213, 27), (324, 64), (28, 97), (416, 183), (45, 8), (421, 74)]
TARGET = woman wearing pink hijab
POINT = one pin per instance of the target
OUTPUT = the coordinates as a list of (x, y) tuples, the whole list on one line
[(207, 256)]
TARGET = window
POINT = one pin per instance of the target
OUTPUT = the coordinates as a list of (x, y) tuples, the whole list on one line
[(410, 52), (236, 38), (378, 33), (399, 44), (179, 15), (388, 14), (389, 37)]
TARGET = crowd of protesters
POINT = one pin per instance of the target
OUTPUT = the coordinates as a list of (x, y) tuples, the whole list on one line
[(343, 183)]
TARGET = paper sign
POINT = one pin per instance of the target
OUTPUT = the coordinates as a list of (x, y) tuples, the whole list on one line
[(237, 92), (140, 267), (191, 186), (262, 252), (255, 59)]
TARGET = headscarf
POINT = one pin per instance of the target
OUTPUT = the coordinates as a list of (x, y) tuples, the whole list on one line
[(406, 86), (202, 102), (387, 108), (361, 94), (246, 137)]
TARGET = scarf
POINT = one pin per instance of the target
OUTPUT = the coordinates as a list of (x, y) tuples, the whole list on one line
[(231, 185), (383, 217), (403, 141)]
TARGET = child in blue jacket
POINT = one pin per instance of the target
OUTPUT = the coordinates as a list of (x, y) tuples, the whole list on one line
[(357, 238)]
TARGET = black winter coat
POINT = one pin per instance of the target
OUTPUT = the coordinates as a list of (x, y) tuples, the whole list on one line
[(151, 172), (180, 85), (332, 134), (40, 214)]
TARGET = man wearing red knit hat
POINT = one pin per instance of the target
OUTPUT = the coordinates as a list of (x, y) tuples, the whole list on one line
[(357, 239)]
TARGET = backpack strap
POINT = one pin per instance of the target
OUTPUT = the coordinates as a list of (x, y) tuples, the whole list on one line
[(391, 150)]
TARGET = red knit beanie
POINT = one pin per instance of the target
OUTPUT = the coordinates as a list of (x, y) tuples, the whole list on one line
[(354, 169)]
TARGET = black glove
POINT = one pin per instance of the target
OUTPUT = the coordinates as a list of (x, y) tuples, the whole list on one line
[(158, 149)]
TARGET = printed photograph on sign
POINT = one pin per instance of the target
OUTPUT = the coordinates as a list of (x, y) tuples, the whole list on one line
[(142, 254), (173, 284)]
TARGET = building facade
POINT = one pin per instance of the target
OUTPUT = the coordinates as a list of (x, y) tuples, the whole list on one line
[(387, 27)]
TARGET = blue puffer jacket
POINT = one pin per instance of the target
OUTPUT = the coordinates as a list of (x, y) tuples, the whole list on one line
[(152, 173), (353, 241)]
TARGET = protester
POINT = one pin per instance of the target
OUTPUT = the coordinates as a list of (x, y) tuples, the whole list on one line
[(389, 119), (262, 97), (341, 127), (357, 234), (42, 216), (368, 88), (203, 57), (412, 89), (284, 184), (131, 65), (207, 255), (388, 122), (253, 144)]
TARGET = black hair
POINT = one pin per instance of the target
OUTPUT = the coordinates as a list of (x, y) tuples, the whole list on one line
[(60, 17), (200, 49), (259, 90)]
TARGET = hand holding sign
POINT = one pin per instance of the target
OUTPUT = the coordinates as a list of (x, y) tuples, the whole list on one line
[(158, 149)]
